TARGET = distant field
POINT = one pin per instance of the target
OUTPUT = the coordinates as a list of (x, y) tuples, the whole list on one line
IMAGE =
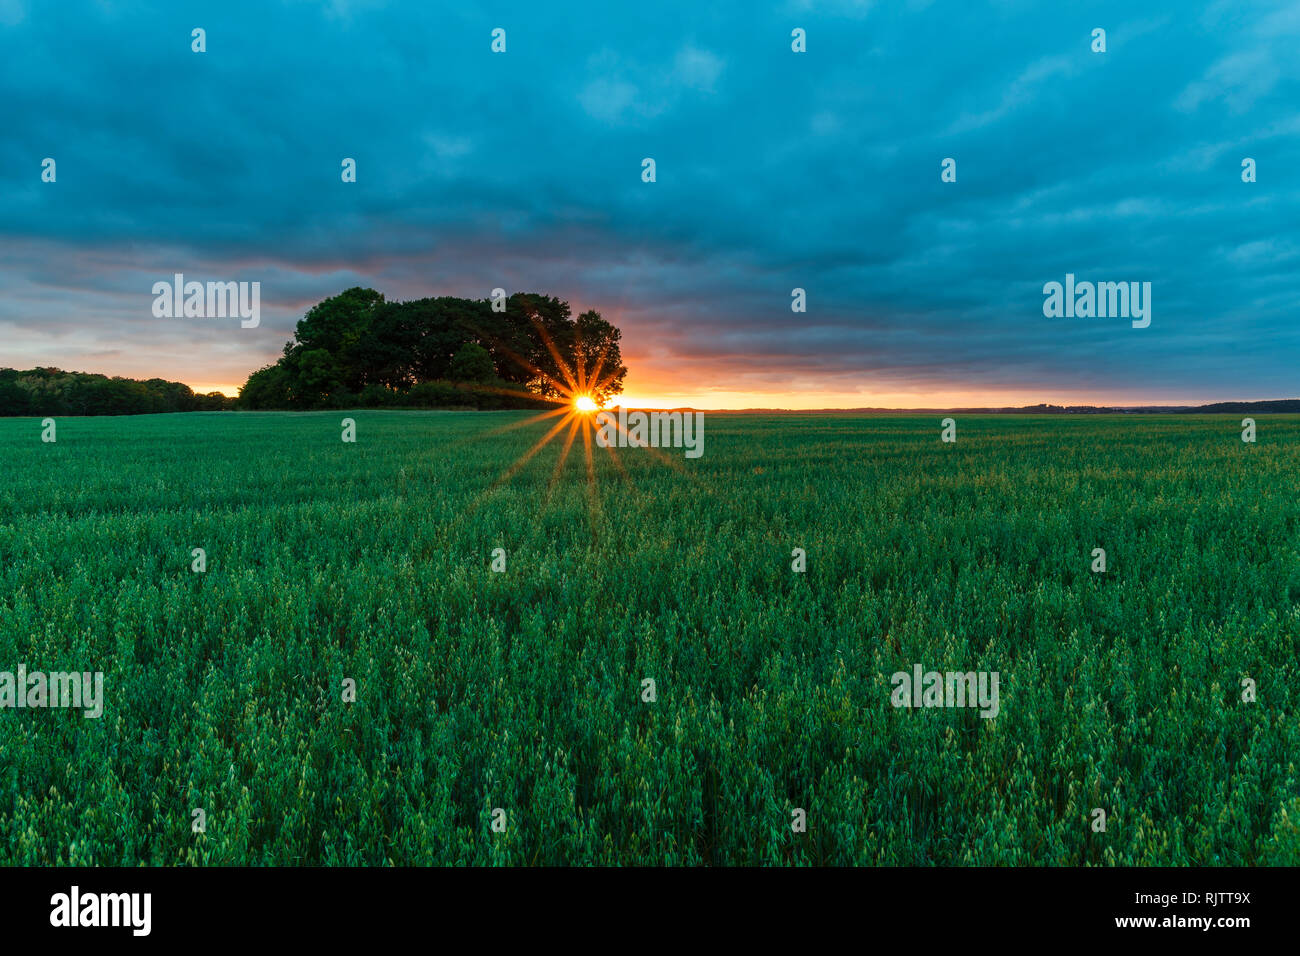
[(522, 690)]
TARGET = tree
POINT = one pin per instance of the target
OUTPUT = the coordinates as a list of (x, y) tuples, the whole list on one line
[(472, 364), (13, 398), (335, 328), (266, 388), (52, 391), (598, 355), (544, 324), (355, 340), (318, 375)]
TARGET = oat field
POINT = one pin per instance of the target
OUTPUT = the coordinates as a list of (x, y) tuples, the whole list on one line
[(349, 681)]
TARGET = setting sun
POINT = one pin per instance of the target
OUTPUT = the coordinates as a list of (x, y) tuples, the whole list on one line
[(584, 403)]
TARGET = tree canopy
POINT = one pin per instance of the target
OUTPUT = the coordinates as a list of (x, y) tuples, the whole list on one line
[(52, 391), (357, 348)]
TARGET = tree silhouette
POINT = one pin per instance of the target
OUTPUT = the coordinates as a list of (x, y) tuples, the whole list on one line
[(442, 351)]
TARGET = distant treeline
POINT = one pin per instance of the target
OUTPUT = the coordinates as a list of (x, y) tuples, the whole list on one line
[(358, 349), (52, 391), (1281, 406)]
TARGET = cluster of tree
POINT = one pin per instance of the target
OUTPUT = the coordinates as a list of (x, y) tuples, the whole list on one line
[(358, 349), (52, 391)]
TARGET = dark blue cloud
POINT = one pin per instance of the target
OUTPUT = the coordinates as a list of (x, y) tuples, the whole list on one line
[(775, 170)]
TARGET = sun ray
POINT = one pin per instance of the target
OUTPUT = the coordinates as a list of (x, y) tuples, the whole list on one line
[(595, 372), (575, 402), (512, 392), (577, 423), (532, 420), (586, 448), (509, 427), (528, 366), (593, 496), (527, 456), (613, 456), (555, 353), (659, 454)]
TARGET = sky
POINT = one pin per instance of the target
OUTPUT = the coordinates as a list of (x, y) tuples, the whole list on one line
[(775, 170)]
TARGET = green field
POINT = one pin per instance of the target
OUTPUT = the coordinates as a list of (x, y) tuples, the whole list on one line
[(522, 690)]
